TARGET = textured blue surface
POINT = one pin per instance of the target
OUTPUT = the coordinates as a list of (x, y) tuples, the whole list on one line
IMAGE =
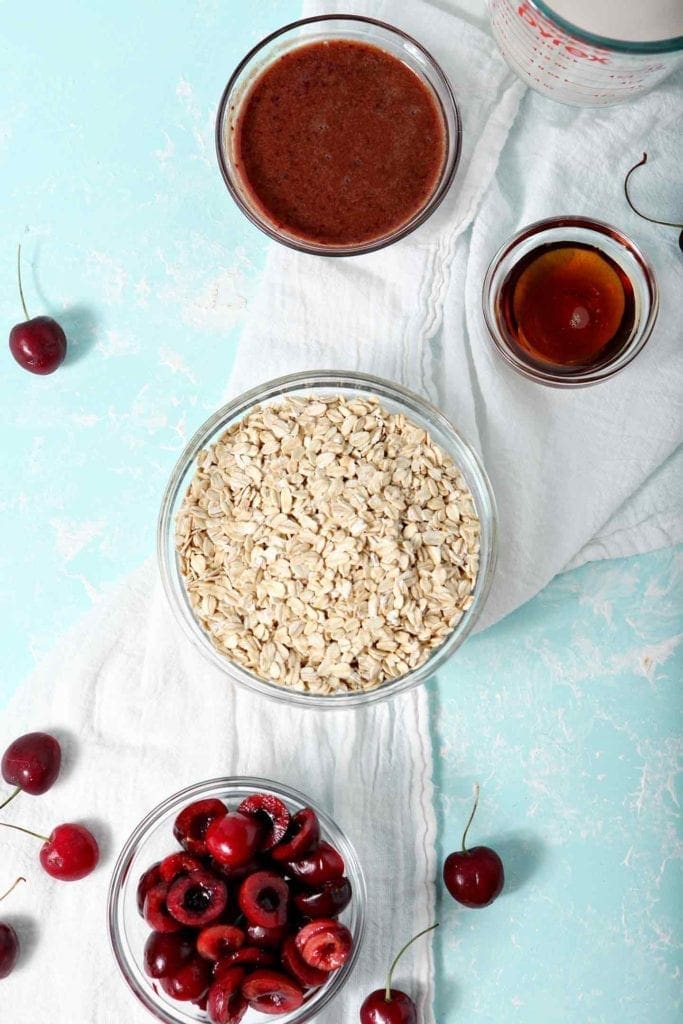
[(568, 713), (109, 181)]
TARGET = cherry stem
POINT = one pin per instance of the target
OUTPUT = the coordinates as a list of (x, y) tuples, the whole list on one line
[(18, 828), (10, 798), (387, 994), (12, 888), (474, 811), (21, 290), (653, 220)]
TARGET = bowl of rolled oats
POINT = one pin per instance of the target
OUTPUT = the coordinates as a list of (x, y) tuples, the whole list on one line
[(328, 539)]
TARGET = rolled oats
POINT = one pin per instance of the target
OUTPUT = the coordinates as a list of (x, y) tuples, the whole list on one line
[(327, 544)]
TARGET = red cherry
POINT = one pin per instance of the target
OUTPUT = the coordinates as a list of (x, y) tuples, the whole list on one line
[(264, 898), (9, 941), (399, 1009), (31, 763), (234, 839), (70, 852), (216, 941), (272, 992), (166, 952), (193, 822), (328, 901), (321, 865), (294, 964), (148, 879), (155, 911), (325, 944), (474, 877), (37, 344), (389, 1005), (177, 864), (197, 899), (271, 812), (190, 981), (9, 949), (226, 1004), (302, 836)]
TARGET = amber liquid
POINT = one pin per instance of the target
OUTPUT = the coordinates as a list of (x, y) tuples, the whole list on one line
[(568, 305)]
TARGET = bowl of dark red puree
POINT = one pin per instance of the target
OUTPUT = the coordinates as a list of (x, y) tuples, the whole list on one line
[(338, 135)]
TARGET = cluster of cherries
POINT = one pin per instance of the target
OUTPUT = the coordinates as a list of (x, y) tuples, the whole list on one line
[(31, 763), (246, 914)]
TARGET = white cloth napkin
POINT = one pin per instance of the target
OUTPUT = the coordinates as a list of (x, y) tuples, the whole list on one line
[(576, 476)]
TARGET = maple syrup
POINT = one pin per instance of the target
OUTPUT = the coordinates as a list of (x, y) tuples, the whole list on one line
[(568, 304)]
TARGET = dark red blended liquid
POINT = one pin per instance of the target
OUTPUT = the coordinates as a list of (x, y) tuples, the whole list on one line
[(339, 143)]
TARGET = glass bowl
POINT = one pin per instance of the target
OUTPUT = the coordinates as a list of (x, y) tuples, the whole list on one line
[(325, 27), (568, 229), (328, 382), (153, 839)]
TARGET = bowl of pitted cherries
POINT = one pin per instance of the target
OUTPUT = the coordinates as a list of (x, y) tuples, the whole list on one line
[(237, 900)]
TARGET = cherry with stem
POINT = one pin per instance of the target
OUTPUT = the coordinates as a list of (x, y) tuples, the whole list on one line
[(474, 876), (653, 220), (390, 1005), (39, 343), (69, 853)]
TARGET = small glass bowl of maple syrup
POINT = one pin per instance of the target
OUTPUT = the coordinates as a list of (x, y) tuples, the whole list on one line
[(570, 301)]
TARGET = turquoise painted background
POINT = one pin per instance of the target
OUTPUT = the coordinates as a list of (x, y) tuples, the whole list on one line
[(568, 712)]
